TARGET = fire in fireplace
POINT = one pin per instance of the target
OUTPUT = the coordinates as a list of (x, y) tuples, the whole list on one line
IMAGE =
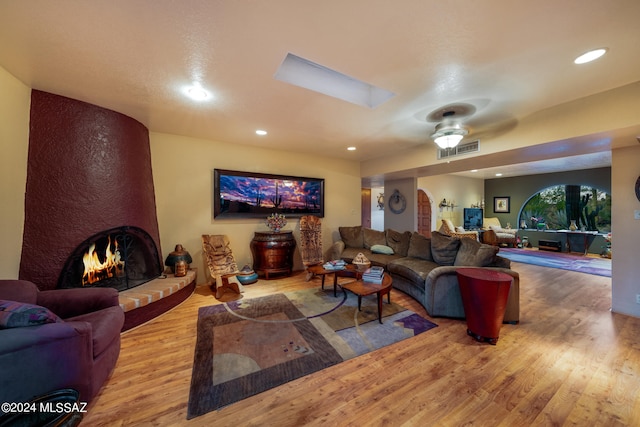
[(121, 258), (97, 268)]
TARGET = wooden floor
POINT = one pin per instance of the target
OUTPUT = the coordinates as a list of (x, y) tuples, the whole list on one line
[(570, 361)]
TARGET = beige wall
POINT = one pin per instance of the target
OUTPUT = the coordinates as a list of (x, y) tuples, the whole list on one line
[(625, 230), (463, 191), (183, 178), (15, 101)]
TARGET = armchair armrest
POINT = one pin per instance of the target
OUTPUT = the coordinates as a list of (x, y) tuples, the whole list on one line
[(74, 302), (336, 249), (42, 358)]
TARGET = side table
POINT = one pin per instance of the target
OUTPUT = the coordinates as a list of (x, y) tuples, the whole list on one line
[(484, 297), (362, 289), (273, 252)]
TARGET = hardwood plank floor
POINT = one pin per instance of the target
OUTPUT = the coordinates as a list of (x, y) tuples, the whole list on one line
[(570, 361)]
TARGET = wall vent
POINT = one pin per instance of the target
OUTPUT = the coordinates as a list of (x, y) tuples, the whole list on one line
[(458, 150)]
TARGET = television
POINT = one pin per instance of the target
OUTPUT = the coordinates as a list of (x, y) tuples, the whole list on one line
[(472, 218)]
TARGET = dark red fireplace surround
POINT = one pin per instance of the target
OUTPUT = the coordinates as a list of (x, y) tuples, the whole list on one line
[(89, 169)]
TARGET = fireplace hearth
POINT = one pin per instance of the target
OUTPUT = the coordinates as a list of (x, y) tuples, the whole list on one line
[(121, 258)]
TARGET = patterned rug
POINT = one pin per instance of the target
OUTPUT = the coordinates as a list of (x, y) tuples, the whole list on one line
[(564, 261), (248, 346)]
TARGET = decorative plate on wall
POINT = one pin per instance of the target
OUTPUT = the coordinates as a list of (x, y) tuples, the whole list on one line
[(638, 188)]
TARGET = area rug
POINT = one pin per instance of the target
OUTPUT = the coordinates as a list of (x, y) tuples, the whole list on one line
[(248, 346), (564, 261)]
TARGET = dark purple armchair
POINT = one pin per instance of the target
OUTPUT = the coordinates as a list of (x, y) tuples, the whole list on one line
[(79, 351)]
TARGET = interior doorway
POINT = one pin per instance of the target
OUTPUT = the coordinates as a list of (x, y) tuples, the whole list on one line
[(424, 214), (366, 208)]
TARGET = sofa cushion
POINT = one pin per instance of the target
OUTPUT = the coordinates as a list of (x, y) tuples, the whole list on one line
[(376, 259), (414, 270), (382, 249), (444, 248), (15, 314), (398, 241), (373, 237), (475, 254), (505, 231), (352, 236), (420, 247)]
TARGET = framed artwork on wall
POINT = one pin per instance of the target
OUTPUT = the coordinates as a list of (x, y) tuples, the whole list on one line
[(258, 195), (502, 204)]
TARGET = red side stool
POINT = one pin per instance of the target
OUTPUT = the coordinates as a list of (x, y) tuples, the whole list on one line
[(484, 298)]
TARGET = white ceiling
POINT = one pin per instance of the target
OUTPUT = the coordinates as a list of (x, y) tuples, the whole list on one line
[(508, 59)]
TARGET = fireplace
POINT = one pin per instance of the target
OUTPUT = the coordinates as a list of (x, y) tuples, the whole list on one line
[(120, 258)]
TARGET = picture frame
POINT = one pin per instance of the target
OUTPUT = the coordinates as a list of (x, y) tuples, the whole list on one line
[(502, 204), (239, 194)]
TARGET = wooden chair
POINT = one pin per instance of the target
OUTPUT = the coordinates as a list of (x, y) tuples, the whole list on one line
[(311, 242), (221, 263)]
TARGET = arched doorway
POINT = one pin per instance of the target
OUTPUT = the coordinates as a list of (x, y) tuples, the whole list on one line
[(424, 214)]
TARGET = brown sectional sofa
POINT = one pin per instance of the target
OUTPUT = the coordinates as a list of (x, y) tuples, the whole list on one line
[(425, 268)]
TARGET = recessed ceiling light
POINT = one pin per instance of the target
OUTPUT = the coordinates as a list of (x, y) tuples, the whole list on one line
[(197, 92), (474, 170), (261, 132), (351, 148), (498, 174), (592, 55)]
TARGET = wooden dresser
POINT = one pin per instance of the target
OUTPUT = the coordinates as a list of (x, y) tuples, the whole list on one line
[(273, 252)]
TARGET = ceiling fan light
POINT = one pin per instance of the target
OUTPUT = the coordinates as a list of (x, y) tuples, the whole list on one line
[(448, 141), (448, 135)]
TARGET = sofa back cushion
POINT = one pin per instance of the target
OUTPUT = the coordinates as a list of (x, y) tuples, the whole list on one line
[(373, 237), (420, 247), (444, 248), (19, 290), (398, 241), (475, 254), (352, 236)]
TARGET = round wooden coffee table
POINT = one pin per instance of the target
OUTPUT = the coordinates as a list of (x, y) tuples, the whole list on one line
[(319, 270), (362, 289)]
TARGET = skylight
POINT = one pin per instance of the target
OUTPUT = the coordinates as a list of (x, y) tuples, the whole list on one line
[(309, 75)]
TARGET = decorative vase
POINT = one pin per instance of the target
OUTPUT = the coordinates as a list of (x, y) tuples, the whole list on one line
[(573, 226), (523, 224), (179, 254), (275, 222), (541, 226)]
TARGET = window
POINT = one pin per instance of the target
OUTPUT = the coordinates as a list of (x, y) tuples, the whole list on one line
[(556, 206)]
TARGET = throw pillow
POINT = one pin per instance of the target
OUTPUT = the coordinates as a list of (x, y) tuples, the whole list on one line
[(15, 314), (444, 248), (475, 254), (351, 236), (460, 229), (373, 237), (381, 249), (397, 241), (420, 247)]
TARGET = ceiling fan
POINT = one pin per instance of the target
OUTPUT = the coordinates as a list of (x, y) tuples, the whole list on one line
[(450, 130), (455, 121)]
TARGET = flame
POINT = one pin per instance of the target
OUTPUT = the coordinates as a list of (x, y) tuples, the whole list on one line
[(96, 270)]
